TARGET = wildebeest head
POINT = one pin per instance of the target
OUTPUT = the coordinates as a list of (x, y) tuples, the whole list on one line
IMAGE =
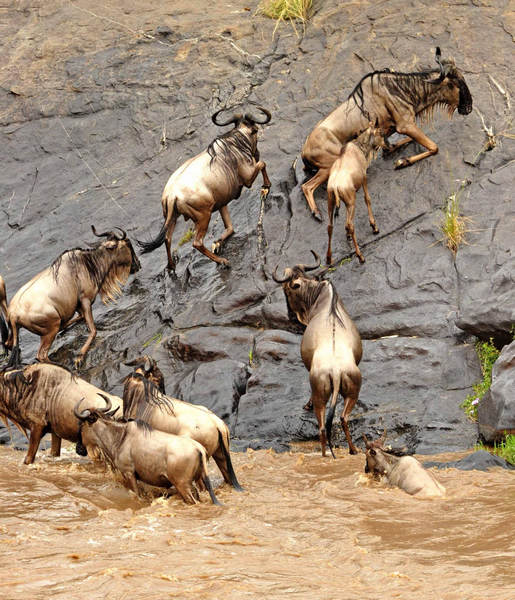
[(245, 123), (453, 86), (375, 461), (147, 367), (301, 290), (88, 417), (119, 246)]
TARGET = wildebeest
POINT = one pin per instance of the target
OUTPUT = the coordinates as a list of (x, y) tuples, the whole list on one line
[(330, 347), (48, 302), (143, 400), (147, 367), (396, 100), (139, 452), (404, 472), (40, 399), (209, 181), (347, 175)]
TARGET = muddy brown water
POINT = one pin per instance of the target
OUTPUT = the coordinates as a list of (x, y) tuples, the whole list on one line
[(306, 527)]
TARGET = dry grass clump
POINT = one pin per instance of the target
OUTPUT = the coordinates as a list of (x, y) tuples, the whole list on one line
[(286, 10), (453, 224)]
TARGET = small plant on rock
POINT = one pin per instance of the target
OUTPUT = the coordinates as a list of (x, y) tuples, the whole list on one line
[(505, 448), (453, 225), (286, 10), (487, 354)]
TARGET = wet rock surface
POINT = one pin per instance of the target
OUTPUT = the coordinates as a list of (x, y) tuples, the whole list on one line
[(99, 106), (480, 460), (496, 411)]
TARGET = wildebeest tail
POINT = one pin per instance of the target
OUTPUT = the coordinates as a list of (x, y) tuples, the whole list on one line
[(335, 382), (4, 331), (230, 470), (152, 245), (206, 481)]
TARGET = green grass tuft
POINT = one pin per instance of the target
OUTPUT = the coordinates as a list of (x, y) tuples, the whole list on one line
[(487, 354), (156, 338), (505, 448), (186, 237)]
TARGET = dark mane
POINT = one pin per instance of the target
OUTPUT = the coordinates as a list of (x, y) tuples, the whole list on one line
[(408, 86), (137, 405), (106, 273), (229, 149), (82, 257)]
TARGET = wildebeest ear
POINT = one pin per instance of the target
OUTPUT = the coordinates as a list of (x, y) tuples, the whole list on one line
[(147, 366)]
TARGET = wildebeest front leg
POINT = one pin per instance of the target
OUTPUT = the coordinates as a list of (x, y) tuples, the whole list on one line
[(421, 138), (330, 212), (368, 202), (36, 433), (201, 225), (229, 229), (88, 316), (55, 450)]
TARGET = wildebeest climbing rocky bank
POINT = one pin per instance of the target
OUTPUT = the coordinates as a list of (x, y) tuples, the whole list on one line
[(98, 106)]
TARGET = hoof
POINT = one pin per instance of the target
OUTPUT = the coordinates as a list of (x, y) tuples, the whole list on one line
[(308, 407), (317, 215), (224, 263), (401, 163), (216, 247), (264, 193), (361, 258)]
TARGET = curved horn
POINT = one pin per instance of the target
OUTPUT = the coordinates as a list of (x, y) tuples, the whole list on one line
[(307, 268), (234, 119), (105, 234), (383, 437), (108, 404), (147, 367), (124, 234), (81, 415), (288, 275), (267, 113), (367, 443)]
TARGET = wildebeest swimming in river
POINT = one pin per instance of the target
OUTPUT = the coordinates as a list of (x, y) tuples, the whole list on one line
[(209, 181), (330, 348), (396, 101), (47, 303), (144, 400)]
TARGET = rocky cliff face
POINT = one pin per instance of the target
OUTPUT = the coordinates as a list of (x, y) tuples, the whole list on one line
[(98, 106)]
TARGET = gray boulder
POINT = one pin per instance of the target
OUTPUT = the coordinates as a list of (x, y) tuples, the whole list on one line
[(496, 411)]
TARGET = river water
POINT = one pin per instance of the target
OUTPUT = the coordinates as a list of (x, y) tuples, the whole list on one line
[(306, 527)]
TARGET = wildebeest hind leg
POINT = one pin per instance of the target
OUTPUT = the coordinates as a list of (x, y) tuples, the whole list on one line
[(229, 229), (350, 401), (201, 226), (168, 241), (309, 190), (46, 341)]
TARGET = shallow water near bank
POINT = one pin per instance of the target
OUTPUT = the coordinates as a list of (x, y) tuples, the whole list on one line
[(306, 527)]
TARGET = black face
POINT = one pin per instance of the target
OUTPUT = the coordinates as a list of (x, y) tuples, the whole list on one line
[(135, 264), (465, 105)]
